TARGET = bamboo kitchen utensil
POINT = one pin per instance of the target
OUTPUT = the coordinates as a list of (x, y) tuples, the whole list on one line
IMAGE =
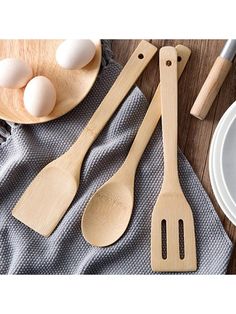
[(172, 232), (108, 212), (71, 86), (214, 81), (48, 197)]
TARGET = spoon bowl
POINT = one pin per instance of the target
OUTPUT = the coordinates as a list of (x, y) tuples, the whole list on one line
[(107, 214)]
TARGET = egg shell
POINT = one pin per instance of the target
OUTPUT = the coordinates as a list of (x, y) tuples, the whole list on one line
[(39, 96), (14, 73), (75, 53)]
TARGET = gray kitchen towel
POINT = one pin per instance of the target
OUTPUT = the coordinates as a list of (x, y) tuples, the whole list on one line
[(30, 147)]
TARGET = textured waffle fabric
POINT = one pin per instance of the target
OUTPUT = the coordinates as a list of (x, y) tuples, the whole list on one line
[(31, 147)]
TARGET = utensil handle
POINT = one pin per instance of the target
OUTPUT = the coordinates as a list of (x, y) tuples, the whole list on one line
[(211, 87), (169, 104), (152, 116), (126, 79)]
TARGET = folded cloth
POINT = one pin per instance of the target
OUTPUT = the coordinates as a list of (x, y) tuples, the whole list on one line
[(30, 147)]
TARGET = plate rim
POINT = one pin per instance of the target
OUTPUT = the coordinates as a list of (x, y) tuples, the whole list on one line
[(213, 179), (221, 157)]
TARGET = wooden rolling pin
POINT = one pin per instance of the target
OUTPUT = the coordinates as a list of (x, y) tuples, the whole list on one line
[(214, 80)]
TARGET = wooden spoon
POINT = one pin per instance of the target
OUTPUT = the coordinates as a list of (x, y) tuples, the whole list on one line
[(173, 245), (108, 213), (49, 195)]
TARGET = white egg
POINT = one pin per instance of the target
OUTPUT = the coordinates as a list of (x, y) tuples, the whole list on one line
[(14, 73), (75, 53), (39, 96)]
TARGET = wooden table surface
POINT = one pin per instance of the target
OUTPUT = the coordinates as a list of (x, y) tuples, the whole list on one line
[(194, 135)]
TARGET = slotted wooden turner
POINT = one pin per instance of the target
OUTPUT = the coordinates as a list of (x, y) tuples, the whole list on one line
[(173, 247)]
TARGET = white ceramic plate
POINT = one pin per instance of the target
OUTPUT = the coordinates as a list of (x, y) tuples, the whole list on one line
[(216, 179), (228, 160)]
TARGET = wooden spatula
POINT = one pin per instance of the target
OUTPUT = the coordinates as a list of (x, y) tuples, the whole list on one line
[(173, 247), (48, 197)]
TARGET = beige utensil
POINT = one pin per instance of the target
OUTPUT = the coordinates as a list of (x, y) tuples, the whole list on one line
[(108, 213), (214, 80), (71, 86), (172, 232), (48, 197)]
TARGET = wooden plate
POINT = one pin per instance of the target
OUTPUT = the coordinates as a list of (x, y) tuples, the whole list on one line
[(71, 85)]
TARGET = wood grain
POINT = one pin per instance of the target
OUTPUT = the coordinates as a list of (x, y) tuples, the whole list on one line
[(71, 85), (171, 206), (211, 87), (49, 195), (108, 212), (194, 136)]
